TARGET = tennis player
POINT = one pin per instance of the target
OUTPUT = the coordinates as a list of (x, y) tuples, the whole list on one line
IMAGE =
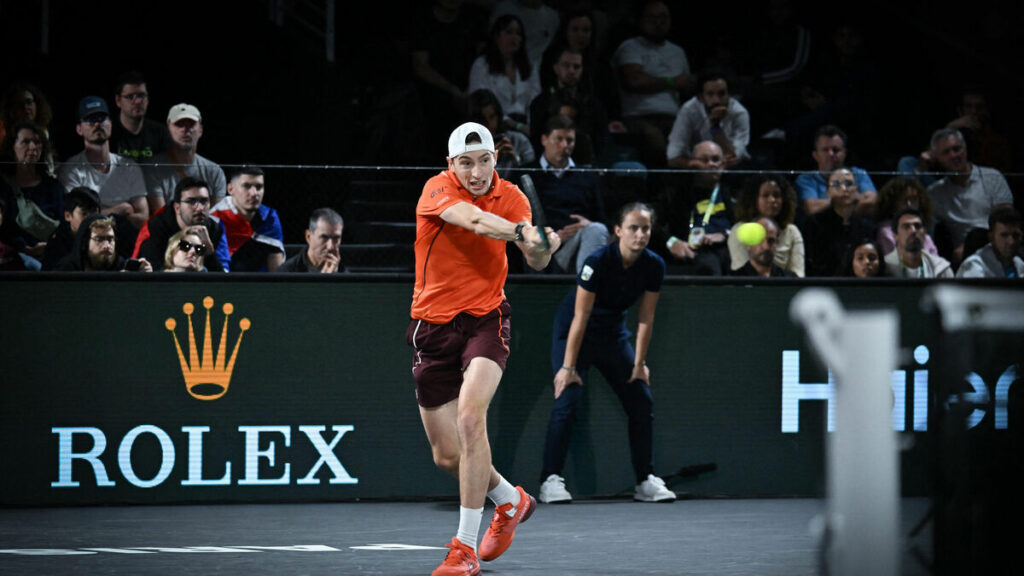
[(460, 332), (590, 330)]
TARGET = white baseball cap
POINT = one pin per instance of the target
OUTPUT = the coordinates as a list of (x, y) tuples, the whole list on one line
[(457, 141), (179, 111)]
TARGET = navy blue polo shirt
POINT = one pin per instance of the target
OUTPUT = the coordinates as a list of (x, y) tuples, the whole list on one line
[(618, 288)]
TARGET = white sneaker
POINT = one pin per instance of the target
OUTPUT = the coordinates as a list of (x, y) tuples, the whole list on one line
[(553, 491), (653, 490)]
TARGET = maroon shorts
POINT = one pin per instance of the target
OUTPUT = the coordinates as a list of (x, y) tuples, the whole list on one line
[(443, 351)]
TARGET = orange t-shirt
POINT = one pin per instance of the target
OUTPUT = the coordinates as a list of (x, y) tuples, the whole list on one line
[(456, 269)]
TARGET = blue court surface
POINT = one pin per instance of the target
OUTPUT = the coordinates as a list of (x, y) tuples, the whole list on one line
[(613, 537)]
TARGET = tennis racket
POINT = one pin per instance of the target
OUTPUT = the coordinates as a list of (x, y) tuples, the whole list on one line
[(539, 220)]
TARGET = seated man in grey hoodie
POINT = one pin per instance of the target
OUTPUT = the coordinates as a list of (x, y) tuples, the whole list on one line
[(1000, 258), (909, 259)]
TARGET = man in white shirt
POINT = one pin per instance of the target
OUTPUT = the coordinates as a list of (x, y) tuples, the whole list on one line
[(710, 115), (652, 71)]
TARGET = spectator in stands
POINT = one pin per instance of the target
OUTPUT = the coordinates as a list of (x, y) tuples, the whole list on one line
[(24, 102), (652, 73), (505, 69), (79, 204), (909, 260), (864, 260), (323, 240), (1001, 257), (830, 233), (27, 181), (10, 259), (761, 257), (830, 155), (185, 251), (700, 217), (974, 121), (774, 53), (988, 146), (540, 23), (965, 197), (446, 38), (513, 147), (190, 206), (840, 86), (770, 196), (569, 96), (575, 33), (710, 115), (95, 249), (117, 179), (185, 125), (571, 198), (896, 194), (255, 238), (135, 136)]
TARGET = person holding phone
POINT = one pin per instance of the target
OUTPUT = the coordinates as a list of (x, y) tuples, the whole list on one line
[(95, 249)]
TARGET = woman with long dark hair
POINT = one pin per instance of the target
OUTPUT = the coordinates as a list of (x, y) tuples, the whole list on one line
[(504, 68)]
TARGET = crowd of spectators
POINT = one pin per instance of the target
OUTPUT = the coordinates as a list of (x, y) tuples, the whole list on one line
[(722, 136)]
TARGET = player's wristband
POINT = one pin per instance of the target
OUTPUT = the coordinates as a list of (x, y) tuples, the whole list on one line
[(571, 369), (519, 233), (670, 82)]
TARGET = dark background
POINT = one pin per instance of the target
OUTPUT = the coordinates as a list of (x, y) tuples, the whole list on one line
[(269, 96)]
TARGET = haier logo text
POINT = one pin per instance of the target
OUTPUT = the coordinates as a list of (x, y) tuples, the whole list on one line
[(910, 395)]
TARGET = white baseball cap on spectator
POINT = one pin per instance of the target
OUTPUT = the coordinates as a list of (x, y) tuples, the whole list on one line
[(179, 111)]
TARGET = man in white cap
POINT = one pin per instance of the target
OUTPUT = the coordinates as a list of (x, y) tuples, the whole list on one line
[(460, 332), (185, 125)]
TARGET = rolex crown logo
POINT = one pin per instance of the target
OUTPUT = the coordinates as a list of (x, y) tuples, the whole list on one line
[(207, 378)]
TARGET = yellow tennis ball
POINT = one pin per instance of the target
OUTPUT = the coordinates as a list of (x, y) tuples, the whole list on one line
[(751, 233)]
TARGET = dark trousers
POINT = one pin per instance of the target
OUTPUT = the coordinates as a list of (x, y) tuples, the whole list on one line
[(606, 347)]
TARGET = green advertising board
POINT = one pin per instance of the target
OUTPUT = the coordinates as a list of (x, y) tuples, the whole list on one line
[(227, 389)]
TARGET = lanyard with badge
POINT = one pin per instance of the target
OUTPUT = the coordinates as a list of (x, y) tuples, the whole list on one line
[(697, 232)]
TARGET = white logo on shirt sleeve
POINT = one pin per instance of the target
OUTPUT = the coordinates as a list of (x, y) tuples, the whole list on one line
[(586, 272)]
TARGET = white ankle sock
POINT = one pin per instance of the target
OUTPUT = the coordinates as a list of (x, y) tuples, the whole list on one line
[(504, 492), (469, 525)]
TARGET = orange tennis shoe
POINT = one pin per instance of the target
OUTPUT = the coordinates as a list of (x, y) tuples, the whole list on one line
[(460, 561), (503, 526)]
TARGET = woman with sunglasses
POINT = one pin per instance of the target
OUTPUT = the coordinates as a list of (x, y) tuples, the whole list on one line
[(185, 251)]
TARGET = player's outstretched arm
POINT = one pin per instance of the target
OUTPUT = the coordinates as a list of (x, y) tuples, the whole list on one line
[(470, 217)]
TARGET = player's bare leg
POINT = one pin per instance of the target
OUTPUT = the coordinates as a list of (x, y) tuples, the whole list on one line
[(442, 431), (476, 475)]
